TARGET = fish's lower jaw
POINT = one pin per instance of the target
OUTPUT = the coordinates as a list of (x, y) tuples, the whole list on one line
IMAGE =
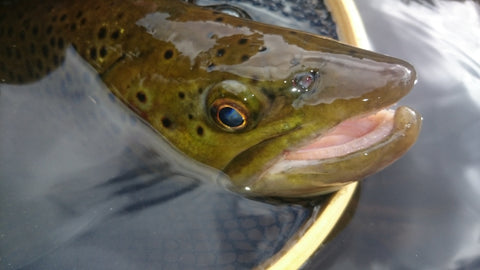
[(306, 172)]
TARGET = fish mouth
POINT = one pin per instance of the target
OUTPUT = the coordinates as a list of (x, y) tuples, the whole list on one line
[(353, 149), (349, 136)]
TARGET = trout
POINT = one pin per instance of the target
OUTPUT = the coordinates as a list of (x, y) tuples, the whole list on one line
[(283, 113)]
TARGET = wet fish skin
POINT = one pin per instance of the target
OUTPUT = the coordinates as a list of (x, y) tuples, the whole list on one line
[(176, 64)]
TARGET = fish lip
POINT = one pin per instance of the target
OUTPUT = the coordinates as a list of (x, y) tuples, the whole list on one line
[(406, 124)]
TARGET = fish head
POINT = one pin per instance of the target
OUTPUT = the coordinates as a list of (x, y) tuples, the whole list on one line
[(320, 119), (282, 113)]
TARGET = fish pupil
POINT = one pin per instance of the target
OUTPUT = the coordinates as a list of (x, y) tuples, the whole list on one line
[(230, 117)]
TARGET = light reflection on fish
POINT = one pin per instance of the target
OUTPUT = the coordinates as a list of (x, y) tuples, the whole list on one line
[(281, 112)]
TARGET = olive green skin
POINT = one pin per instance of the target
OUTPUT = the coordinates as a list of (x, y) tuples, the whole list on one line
[(175, 63)]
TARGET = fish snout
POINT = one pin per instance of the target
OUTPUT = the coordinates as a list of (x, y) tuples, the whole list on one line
[(373, 83)]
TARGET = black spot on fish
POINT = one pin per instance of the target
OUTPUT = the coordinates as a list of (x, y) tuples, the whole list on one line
[(120, 15), (49, 30), (268, 94), (168, 54), (8, 51), (83, 21), (74, 46), (220, 52), (216, 12), (10, 31), (26, 24), (166, 122), (102, 33), (56, 60), (242, 41), (181, 95), (141, 97), (245, 57), (190, 116), (39, 65), (60, 43), (292, 32), (35, 30), (262, 49), (200, 90), (22, 35), (93, 53), (29, 67), (52, 42), (45, 51), (63, 18), (73, 26), (79, 14), (19, 78), (18, 54), (200, 130), (54, 18), (115, 34), (103, 52), (219, 19)]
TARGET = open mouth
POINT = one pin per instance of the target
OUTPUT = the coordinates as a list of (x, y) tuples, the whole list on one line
[(347, 137), (350, 136)]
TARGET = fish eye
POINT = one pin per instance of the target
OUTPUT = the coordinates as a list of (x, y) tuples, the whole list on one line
[(229, 114), (234, 106)]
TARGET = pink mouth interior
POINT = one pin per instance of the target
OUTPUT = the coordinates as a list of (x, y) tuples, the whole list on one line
[(347, 137)]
